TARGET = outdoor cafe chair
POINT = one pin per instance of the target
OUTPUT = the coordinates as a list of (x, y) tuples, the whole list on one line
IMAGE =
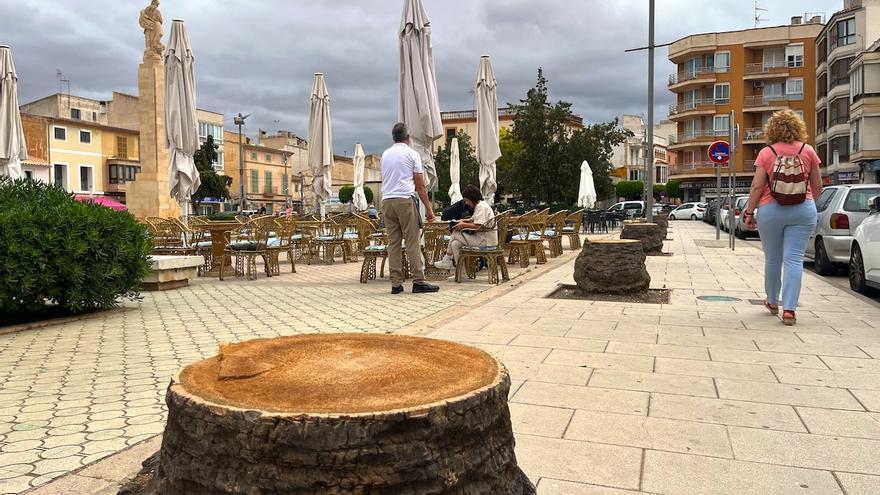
[(532, 235), (247, 243), (493, 255), (553, 232), (518, 246), (282, 242), (329, 239), (572, 228)]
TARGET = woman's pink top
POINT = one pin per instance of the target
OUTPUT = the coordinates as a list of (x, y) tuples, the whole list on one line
[(766, 159)]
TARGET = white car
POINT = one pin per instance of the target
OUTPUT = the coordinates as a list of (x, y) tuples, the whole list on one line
[(688, 211), (864, 258)]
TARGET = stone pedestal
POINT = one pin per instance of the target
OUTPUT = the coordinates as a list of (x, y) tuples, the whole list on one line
[(612, 266), (171, 272), (340, 414), (648, 233), (147, 195)]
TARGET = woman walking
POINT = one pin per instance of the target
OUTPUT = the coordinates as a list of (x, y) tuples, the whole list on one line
[(479, 230), (787, 178)]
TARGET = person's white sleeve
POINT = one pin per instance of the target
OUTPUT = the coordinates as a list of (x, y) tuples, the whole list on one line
[(482, 214), (418, 168)]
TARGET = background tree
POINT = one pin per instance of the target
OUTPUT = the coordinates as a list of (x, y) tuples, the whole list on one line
[(595, 143), (659, 191), (213, 184), (673, 189), (630, 189), (510, 150), (470, 167), (346, 194)]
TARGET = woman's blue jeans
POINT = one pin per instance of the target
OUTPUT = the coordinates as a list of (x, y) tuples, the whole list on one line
[(785, 232)]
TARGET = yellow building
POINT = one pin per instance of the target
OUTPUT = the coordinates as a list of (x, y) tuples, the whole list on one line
[(121, 160), (268, 178), (76, 156), (751, 73)]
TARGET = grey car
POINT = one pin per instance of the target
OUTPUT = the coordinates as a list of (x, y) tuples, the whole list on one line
[(841, 209)]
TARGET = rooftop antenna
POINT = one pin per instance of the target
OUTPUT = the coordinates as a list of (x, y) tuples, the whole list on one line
[(275, 126), (758, 10), (61, 82)]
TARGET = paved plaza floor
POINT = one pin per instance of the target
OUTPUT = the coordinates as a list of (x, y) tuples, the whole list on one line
[(692, 397)]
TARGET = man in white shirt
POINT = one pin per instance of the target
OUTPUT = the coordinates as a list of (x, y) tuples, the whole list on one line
[(402, 180)]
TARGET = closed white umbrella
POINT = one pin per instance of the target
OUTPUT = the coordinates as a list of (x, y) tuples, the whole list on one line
[(454, 172), (488, 149), (320, 140), (360, 198), (587, 190), (419, 103), (12, 145), (181, 123)]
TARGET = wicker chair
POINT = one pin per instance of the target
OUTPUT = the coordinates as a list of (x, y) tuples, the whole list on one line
[(282, 242), (553, 232), (173, 238), (532, 235), (494, 255), (251, 241), (572, 229), (518, 246), (329, 238), (375, 247)]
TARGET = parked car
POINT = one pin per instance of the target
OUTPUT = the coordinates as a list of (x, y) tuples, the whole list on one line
[(864, 258), (841, 209), (725, 213), (663, 208), (740, 229), (629, 208), (709, 215), (689, 211)]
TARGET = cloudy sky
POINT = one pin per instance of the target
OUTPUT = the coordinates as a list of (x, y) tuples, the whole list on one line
[(258, 56)]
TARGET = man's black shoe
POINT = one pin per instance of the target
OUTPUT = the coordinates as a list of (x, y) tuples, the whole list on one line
[(396, 289), (423, 287)]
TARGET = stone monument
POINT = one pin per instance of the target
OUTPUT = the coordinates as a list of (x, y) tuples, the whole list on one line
[(148, 194)]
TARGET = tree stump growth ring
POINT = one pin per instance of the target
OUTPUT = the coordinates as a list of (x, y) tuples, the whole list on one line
[(340, 414)]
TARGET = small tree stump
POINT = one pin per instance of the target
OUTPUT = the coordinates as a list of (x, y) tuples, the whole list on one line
[(662, 220), (648, 233), (612, 266), (340, 414)]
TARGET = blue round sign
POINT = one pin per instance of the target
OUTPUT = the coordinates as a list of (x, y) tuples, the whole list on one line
[(719, 152)]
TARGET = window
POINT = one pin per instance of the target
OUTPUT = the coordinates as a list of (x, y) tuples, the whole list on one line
[(122, 146), (821, 121), (840, 71), (722, 61), (722, 93), (794, 55), (774, 57), (722, 125), (856, 127), (858, 199), (255, 181), (120, 174), (85, 137), (85, 178), (839, 111), (253, 155), (94, 116), (28, 175), (268, 158), (635, 174), (822, 86), (450, 133), (773, 91), (794, 88), (841, 146), (822, 151), (846, 32), (59, 172), (822, 50), (268, 182), (60, 133), (693, 67), (856, 88), (825, 198), (634, 155), (75, 113)]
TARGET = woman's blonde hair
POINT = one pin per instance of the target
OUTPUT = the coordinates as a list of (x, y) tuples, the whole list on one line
[(785, 126)]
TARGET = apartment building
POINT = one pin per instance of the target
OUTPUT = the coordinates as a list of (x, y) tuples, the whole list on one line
[(268, 178), (628, 158), (752, 73), (848, 82), (211, 124)]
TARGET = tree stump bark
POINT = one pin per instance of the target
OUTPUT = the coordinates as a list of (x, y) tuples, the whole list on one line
[(340, 414), (648, 233), (662, 221), (612, 266)]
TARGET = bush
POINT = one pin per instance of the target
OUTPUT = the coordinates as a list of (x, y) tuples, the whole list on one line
[(76, 255), (346, 194), (630, 189)]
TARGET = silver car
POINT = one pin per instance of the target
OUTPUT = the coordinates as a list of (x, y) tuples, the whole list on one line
[(841, 210)]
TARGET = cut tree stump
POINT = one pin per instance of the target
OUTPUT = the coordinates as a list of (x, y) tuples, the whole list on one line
[(662, 221), (648, 233), (612, 266), (340, 414)]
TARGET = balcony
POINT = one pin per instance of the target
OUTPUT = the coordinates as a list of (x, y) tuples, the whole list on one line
[(695, 107), (270, 191), (762, 103), (768, 70), (701, 74), (691, 168), (754, 135), (698, 138)]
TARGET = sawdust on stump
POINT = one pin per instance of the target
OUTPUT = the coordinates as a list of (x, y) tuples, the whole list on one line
[(340, 414)]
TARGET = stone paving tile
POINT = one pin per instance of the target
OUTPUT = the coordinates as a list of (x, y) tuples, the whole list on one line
[(769, 358), (852, 364), (714, 369), (567, 343), (859, 484), (837, 379), (589, 398), (548, 486), (650, 433), (567, 375), (781, 393), (600, 360), (539, 420), (805, 450), (869, 398), (676, 351), (726, 412), (567, 460), (841, 423), (654, 382), (683, 474)]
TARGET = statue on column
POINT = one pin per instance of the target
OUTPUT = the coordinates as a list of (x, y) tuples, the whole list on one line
[(151, 21)]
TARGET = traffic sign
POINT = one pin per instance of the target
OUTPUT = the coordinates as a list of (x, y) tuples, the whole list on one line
[(719, 152)]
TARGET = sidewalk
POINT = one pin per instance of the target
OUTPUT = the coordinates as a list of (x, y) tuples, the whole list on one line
[(691, 397)]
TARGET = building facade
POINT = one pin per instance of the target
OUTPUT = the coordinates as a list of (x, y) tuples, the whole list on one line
[(628, 158), (211, 124), (751, 73), (268, 178), (466, 121), (847, 78), (36, 136)]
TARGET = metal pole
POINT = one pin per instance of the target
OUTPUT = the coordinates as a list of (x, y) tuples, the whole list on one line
[(242, 199), (718, 202), (649, 185), (733, 169), (731, 184)]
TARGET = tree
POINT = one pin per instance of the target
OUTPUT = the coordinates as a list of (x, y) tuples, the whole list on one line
[(673, 189), (630, 189), (213, 184), (510, 149), (346, 194), (547, 154), (469, 166), (659, 191)]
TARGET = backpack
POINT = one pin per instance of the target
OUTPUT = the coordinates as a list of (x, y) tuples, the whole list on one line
[(788, 181)]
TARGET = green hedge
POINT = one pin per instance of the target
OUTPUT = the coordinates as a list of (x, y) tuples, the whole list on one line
[(346, 194), (76, 255)]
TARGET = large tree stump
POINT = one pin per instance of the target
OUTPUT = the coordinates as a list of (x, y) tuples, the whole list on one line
[(340, 414), (612, 266), (662, 221), (648, 233)]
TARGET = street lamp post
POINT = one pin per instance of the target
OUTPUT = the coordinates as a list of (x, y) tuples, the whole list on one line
[(302, 204), (239, 121), (286, 181)]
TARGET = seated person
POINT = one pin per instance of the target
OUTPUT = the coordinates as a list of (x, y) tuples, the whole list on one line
[(457, 211), (478, 230), (372, 211)]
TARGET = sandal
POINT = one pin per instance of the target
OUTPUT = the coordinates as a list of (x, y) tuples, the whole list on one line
[(772, 308), (789, 318)]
